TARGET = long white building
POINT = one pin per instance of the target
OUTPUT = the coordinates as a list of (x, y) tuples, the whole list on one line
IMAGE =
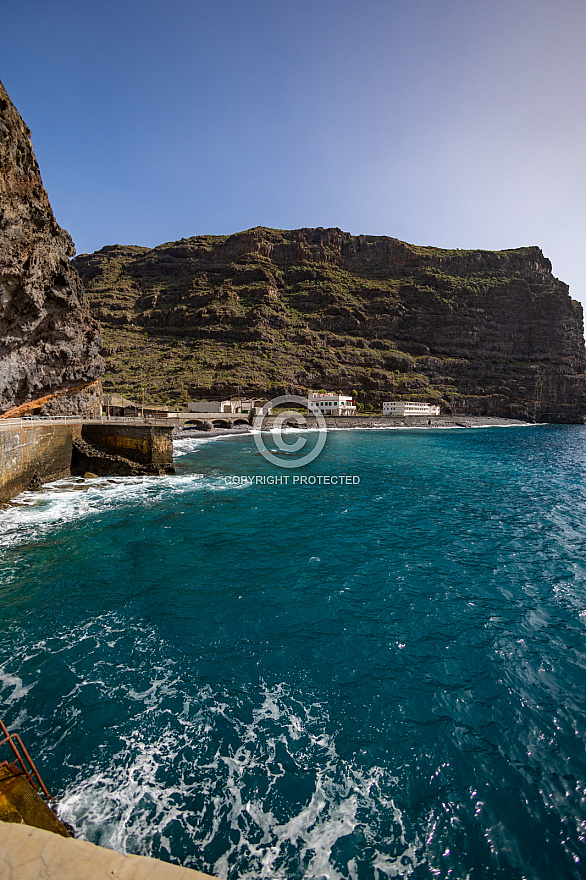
[(233, 406), (329, 404), (409, 408)]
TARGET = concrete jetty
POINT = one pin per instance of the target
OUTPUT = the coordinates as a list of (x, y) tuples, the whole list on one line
[(36, 451)]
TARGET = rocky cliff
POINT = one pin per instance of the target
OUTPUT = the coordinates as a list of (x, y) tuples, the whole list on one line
[(267, 311), (49, 344)]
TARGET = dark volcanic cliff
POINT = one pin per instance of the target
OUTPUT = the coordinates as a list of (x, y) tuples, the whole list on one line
[(268, 311), (49, 344)]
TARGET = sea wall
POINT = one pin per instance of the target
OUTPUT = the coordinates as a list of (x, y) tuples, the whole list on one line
[(32, 455), (144, 444)]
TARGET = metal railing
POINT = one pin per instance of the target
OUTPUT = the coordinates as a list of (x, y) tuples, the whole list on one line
[(37, 421), (23, 760)]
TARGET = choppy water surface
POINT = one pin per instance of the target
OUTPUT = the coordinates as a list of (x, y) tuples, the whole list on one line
[(376, 680)]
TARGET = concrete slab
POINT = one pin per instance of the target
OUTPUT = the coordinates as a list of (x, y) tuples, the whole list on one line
[(32, 854), (20, 803)]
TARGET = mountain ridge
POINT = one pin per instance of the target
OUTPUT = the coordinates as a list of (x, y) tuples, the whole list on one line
[(271, 311)]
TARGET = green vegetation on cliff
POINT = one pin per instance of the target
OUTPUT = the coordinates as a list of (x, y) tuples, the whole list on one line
[(269, 311)]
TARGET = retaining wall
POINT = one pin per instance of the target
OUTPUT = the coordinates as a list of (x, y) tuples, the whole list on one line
[(36, 453), (33, 454), (144, 444)]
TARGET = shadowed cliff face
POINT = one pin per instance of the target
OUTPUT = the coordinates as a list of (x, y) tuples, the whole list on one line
[(48, 340), (268, 311)]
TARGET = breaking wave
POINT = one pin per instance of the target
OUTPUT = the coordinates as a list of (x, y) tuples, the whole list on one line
[(237, 784)]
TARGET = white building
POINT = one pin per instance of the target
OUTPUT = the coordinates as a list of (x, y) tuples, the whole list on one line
[(329, 404), (243, 405), (232, 407), (409, 408), (209, 406)]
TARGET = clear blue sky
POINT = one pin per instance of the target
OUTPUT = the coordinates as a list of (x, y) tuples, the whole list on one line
[(457, 123)]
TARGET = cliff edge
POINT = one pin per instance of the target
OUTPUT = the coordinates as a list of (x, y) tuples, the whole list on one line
[(49, 344)]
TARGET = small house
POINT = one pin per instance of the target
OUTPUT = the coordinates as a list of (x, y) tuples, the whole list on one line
[(116, 406)]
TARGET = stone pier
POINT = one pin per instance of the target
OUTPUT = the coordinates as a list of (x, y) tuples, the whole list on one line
[(35, 453), (144, 444)]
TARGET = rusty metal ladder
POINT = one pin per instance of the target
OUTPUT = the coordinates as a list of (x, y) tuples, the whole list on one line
[(23, 760)]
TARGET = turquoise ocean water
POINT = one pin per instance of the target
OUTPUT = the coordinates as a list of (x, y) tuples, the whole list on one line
[(384, 679)]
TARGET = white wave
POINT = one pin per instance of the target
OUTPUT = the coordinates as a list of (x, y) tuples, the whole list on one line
[(186, 445), (19, 689), (209, 776), (359, 428), (430, 427), (121, 805), (287, 429), (32, 515), (187, 778)]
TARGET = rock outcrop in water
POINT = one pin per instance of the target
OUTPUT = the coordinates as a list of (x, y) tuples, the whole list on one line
[(267, 311), (49, 343)]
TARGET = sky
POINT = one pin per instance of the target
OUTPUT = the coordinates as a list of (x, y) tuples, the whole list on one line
[(454, 123)]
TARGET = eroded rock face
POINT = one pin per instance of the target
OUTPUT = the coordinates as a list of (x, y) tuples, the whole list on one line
[(48, 340)]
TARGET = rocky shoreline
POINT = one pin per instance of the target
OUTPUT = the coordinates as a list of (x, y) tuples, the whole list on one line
[(447, 421), (361, 422)]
